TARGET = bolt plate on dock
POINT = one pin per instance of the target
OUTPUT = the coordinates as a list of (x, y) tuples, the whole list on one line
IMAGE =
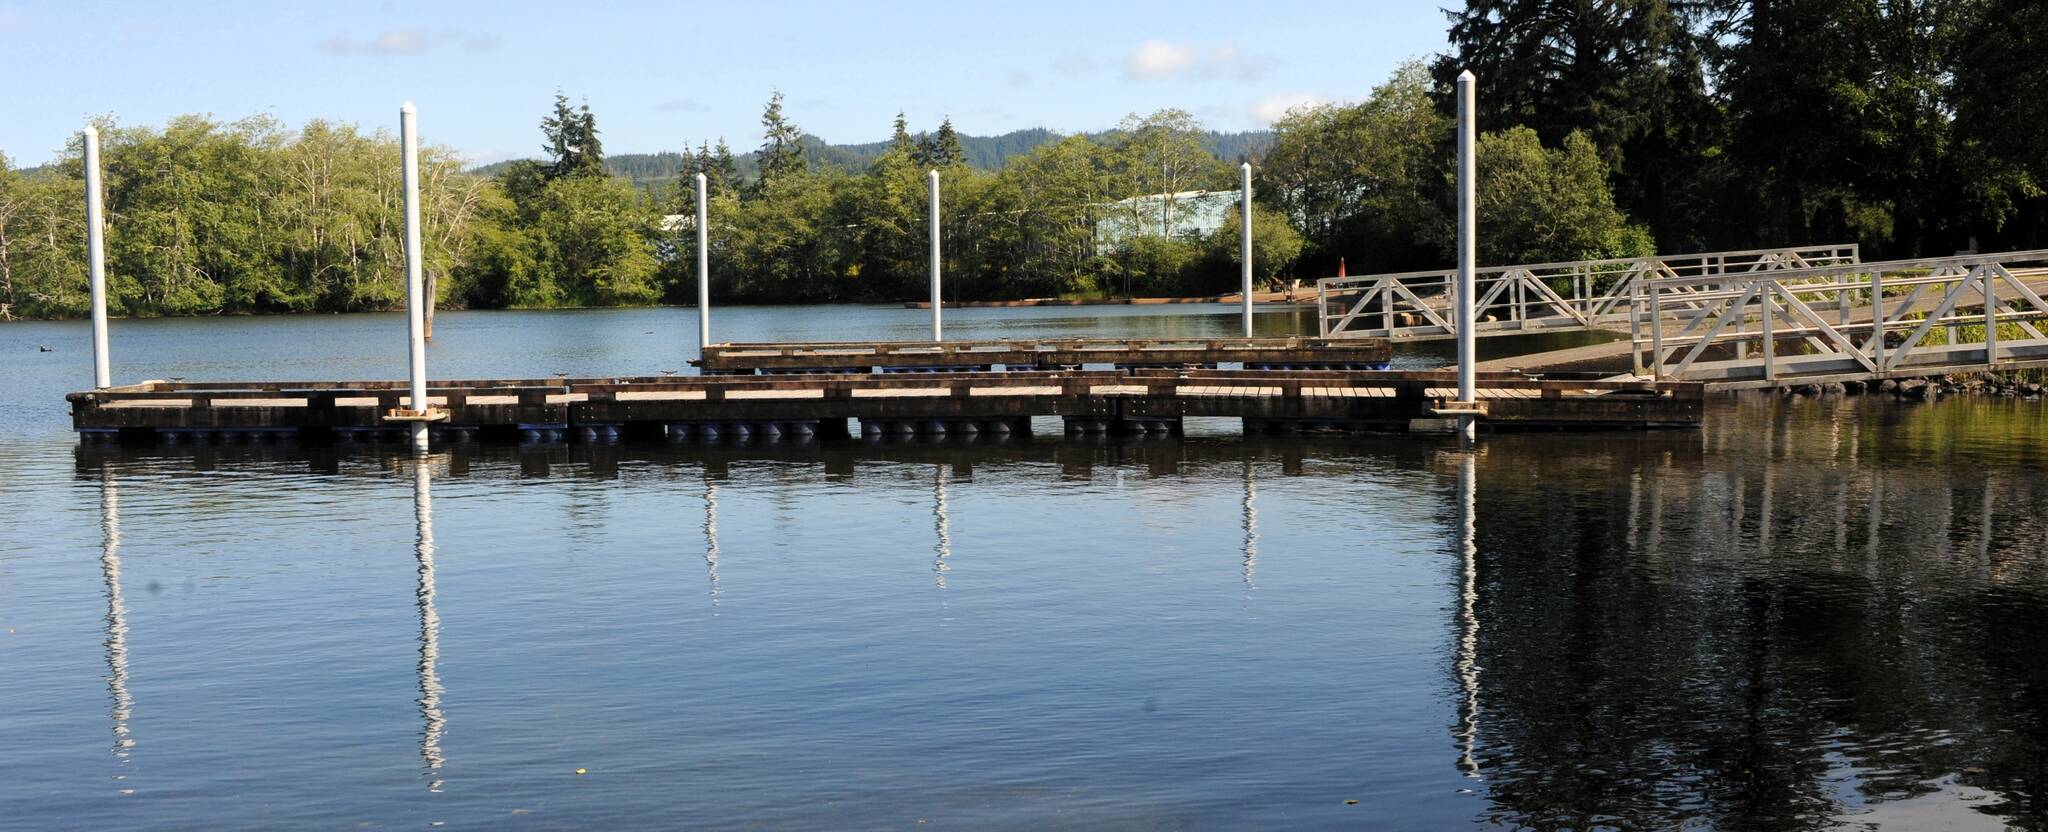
[(1459, 409), (431, 414)]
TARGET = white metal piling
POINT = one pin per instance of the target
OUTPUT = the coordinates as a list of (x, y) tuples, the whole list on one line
[(1245, 243), (1468, 220), (96, 259), (703, 268), (937, 333), (415, 303)]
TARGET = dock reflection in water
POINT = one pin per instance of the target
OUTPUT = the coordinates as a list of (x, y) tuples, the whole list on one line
[(1801, 616)]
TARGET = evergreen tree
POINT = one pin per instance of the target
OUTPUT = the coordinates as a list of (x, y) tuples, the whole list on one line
[(899, 138), (1630, 74), (946, 150), (724, 171), (2000, 61), (1837, 124), (572, 141), (781, 150)]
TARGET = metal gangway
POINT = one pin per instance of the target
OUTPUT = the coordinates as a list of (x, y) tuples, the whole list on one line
[(1845, 322), (1543, 297)]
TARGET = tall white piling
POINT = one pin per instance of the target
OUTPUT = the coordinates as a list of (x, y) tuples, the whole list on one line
[(703, 268), (1468, 220), (1245, 244), (938, 334), (415, 302), (96, 259)]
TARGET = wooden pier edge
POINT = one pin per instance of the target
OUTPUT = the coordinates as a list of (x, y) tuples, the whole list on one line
[(1095, 399)]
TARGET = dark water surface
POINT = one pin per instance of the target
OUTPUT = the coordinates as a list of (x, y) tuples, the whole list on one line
[(1807, 615)]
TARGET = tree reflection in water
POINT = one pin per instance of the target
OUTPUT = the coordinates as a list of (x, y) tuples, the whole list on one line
[(1676, 637)]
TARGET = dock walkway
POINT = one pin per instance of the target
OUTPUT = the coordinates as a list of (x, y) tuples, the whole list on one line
[(739, 407)]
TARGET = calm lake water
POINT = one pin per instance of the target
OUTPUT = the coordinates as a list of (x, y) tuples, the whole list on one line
[(1807, 615)]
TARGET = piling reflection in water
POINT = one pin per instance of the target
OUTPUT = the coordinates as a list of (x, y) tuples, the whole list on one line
[(116, 619), (942, 532), (711, 534), (1785, 620), (434, 724), (1251, 526), (1465, 657)]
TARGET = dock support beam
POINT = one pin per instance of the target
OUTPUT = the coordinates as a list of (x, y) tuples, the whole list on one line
[(415, 303), (937, 333), (96, 259), (1245, 244), (1468, 220), (703, 269)]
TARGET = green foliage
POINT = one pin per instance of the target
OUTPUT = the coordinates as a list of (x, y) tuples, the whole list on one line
[(1610, 128), (1363, 182), (780, 245), (1629, 74), (940, 149), (1275, 248), (592, 236), (781, 152), (572, 141), (1543, 205), (1154, 265), (42, 245)]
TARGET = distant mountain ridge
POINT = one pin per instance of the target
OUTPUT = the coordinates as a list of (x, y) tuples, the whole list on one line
[(984, 152)]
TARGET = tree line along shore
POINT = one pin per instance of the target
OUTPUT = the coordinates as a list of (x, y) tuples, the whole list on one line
[(1608, 129)]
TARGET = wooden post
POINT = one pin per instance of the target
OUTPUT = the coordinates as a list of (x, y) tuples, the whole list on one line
[(1656, 336), (1770, 348), (1990, 291)]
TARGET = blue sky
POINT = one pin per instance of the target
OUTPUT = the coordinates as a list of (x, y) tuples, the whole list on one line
[(660, 75)]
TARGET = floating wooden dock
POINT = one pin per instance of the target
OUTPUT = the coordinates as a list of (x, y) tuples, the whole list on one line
[(729, 408), (1045, 354)]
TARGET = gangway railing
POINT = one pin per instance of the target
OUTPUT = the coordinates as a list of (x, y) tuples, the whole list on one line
[(1542, 297), (1844, 322)]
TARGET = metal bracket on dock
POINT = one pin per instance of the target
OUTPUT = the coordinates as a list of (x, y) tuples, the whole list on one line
[(1477, 409), (431, 414)]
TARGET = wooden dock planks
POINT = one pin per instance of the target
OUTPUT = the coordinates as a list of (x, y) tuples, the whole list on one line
[(1372, 399), (1040, 354)]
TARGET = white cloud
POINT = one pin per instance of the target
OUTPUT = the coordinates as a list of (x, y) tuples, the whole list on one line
[(1017, 79), (1273, 107), (391, 42), (1156, 59)]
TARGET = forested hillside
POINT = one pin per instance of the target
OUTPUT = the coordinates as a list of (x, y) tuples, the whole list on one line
[(983, 153), (1610, 128)]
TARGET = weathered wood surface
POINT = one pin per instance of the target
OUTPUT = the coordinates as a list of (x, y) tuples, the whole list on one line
[(1042, 354)]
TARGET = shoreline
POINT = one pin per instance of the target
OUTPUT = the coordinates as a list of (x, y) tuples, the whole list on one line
[(1261, 298)]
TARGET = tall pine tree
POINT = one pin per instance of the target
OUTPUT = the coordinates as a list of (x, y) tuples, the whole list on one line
[(572, 140), (781, 150)]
